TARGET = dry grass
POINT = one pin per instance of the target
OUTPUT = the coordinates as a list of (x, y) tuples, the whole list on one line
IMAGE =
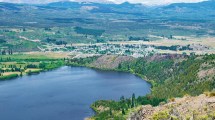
[(210, 94), (204, 41), (50, 54), (32, 70), (10, 73), (207, 41)]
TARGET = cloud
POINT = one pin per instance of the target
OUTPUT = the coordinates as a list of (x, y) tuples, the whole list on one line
[(29, 1), (147, 2), (158, 2)]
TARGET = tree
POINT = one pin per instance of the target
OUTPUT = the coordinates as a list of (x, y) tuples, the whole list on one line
[(123, 111), (110, 112), (3, 52), (122, 98), (133, 100), (10, 52), (120, 66), (21, 74)]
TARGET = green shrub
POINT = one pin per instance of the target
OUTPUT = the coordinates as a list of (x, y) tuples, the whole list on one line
[(164, 115), (8, 77)]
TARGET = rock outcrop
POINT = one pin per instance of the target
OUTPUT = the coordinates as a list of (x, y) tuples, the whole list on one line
[(187, 108), (110, 61)]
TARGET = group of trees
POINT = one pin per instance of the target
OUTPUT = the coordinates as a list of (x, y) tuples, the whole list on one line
[(131, 38), (16, 68), (27, 68), (170, 78), (5, 52), (7, 59), (2, 41), (86, 31), (57, 42), (116, 109), (82, 61)]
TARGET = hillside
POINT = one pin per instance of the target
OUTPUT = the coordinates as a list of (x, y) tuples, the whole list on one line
[(187, 108), (110, 61), (171, 76)]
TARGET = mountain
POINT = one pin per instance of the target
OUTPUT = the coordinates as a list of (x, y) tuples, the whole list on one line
[(10, 6), (188, 7), (197, 12), (205, 4), (95, 1), (192, 11)]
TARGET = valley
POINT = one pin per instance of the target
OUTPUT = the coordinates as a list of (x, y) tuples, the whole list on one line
[(105, 61), (27, 28)]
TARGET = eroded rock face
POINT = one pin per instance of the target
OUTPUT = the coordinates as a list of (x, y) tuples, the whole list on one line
[(110, 61), (113, 61), (186, 108), (159, 57), (143, 113)]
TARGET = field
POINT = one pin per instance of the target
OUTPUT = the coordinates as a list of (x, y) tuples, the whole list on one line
[(12, 66), (202, 45)]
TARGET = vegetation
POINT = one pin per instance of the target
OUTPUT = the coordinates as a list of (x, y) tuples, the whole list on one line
[(82, 61), (11, 76), (119, 109), (170, 77), (173, 79), (27, 58), (12, 66), (210, 94), (85, 31), (161, 116)]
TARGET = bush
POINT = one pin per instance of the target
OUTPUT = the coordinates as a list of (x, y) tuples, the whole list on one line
[(210, 94), (8, 77), (164, 115)]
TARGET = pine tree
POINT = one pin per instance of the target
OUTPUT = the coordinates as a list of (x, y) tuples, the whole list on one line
[(110, 112), (123, 111), (133, 100), (21, 74)]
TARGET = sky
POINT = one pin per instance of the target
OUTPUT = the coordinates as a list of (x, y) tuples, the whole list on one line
[(146, 2)]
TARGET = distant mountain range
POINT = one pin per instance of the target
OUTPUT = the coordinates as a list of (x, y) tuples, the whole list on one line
[(177, 11), (145, 2)]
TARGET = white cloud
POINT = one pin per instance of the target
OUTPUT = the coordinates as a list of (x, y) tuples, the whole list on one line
[(147, 2), (158, 2)]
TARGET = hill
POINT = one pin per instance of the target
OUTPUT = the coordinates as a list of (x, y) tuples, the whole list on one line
[(170, 75), (190, 108)]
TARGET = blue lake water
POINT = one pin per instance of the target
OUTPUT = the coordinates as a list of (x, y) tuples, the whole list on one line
[(65, 93)]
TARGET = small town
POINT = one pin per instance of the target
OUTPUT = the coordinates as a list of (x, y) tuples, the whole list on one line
[(116, 49)]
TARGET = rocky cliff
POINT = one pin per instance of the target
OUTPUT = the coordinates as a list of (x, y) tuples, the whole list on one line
[(187, 108)]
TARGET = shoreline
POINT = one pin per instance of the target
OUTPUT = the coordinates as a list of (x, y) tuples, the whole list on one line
[(86, 66), (14, 76), (103, 69), (130, 72)]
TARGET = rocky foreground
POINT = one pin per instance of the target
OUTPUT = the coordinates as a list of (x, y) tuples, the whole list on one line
[(187, 108)]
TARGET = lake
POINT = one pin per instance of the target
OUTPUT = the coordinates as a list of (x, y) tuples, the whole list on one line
[(65, 93)]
